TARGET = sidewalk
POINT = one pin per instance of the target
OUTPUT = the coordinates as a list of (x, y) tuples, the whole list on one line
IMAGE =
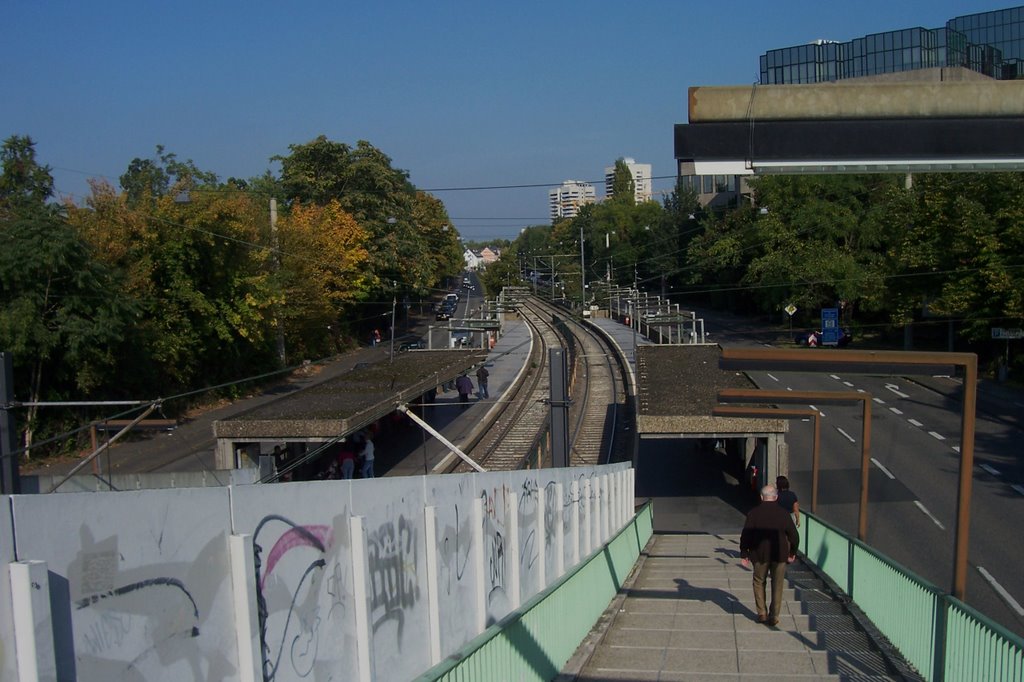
[(686, 613)]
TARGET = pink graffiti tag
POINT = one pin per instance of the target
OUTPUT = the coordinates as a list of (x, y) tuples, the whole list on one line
[(318, 537)]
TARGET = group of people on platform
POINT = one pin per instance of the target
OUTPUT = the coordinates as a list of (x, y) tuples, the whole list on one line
[(464, 386), (350, 455)]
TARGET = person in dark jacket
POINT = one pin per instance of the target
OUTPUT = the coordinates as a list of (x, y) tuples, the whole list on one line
[(788, 499), (769, 541)]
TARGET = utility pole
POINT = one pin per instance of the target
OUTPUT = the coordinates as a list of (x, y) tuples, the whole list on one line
[(277, 267), (10, 482), (394, 301), (583, 275)]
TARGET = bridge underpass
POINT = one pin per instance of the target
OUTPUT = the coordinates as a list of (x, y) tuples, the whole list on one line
[(700, 468)]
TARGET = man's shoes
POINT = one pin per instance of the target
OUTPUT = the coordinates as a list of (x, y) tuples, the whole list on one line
[(773, 622), (761, 618)]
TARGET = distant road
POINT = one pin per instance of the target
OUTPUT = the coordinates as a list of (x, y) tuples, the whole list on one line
[(913, 480)]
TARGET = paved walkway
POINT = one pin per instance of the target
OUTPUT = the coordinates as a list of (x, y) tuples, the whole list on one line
[(686, 613)]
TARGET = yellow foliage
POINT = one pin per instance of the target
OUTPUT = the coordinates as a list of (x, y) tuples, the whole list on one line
[(326, 248)]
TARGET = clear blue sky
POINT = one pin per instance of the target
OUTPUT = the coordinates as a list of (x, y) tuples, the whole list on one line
[(457, 93)]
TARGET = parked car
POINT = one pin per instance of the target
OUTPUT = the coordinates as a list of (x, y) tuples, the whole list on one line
[(412, 345), (812, 338)]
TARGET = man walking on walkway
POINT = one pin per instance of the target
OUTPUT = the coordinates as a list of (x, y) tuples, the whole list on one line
[(769, 540)]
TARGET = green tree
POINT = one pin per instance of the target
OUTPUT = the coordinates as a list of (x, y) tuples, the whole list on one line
[(960, 251), (25, 186), (146, 180), (623, 185), (202, 274), (60, 314)]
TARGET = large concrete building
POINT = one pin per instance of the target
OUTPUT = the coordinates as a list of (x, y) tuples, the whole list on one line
[(641, 173), (978, 47), (565, 201)]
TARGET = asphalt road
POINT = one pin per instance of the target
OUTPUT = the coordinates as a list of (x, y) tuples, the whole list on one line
[(913, 479)]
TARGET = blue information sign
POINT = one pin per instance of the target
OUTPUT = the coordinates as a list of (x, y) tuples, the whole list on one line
[(830, 326)]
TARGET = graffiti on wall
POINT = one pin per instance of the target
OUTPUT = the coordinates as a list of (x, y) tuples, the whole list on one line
[(457, 575), (495, 532), (295, 579), (145, 620), (529, 502), (391, 551)]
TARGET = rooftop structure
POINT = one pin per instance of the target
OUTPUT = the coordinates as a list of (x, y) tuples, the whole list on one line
[(987, 43)]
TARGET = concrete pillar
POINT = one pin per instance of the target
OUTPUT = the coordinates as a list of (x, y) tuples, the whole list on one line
[(33, 626), (433, 608), (360, 599), (243, 591)]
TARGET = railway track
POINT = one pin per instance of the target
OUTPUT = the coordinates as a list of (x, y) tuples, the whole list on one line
[(519, 434)]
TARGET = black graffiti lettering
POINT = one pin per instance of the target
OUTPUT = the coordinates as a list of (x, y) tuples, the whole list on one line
[(392, 556)]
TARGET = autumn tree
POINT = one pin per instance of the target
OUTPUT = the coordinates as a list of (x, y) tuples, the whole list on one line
[(324, 273), (382, 201)]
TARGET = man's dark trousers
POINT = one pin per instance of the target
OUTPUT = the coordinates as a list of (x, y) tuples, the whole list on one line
[(776, 571)]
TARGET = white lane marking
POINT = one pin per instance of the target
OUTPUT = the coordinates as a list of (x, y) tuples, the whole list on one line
[(1010, 601), (1018, 404), (789, 388), (879, 401), (861, 390), (771, 376), (817, 410), (896, 389), (834, 377), (936, 435), (848, 436), (1018, 488), (915, 423), (884, 470), (929, 514), (895, 411), (991, 470), (847, 383), (956, 448)]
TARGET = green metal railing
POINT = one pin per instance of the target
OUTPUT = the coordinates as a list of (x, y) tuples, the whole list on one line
[(943, 638), (535, 641)]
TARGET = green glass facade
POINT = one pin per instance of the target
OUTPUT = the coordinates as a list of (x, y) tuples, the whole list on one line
[(991, 43)]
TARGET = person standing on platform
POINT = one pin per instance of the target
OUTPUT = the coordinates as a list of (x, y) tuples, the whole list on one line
[(788, 499), (464, 385), (367, 455), (769, 541), (481, 382), (348, 460)]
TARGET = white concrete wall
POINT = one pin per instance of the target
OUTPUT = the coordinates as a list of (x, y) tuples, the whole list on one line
[(354, 580)]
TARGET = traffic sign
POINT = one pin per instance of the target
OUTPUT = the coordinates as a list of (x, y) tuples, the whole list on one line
[(664, 320), (790, 309), (475, 324), (1000, 333), (830, 326)]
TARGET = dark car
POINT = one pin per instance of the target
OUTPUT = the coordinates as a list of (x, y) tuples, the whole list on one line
[(446, 310), (813, 338), (412, 345)]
